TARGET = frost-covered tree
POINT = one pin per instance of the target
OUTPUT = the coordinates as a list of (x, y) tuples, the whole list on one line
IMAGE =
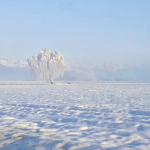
[(47, 66)]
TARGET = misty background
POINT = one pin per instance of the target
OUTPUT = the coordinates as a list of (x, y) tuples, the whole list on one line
[(100, 40), (20, 71)]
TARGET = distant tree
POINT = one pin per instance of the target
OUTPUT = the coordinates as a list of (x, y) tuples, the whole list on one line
[(47, 66)]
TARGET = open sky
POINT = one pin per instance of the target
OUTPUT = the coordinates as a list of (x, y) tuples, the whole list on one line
[(115, 31)]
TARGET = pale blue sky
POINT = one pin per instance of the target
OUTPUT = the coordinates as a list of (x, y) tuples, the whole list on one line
[(82, 30)]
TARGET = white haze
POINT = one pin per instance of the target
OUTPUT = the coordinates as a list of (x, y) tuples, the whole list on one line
[(47, 66), (14, 70), (13, 63)]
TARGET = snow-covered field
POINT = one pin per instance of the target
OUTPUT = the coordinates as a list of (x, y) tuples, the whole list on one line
[(91, 116)]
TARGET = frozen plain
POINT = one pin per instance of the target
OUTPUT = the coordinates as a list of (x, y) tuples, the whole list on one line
[(85, 116)]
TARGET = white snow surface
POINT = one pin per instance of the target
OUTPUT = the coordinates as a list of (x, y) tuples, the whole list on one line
[(91, 116)]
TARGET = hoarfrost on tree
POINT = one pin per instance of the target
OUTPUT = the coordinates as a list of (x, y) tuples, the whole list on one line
[(47, 65)]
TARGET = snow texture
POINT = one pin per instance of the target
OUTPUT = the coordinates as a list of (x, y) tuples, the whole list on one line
[(47, 66), (85, 116)]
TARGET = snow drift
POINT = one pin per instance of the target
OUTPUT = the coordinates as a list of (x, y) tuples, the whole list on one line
[(47, 66)]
